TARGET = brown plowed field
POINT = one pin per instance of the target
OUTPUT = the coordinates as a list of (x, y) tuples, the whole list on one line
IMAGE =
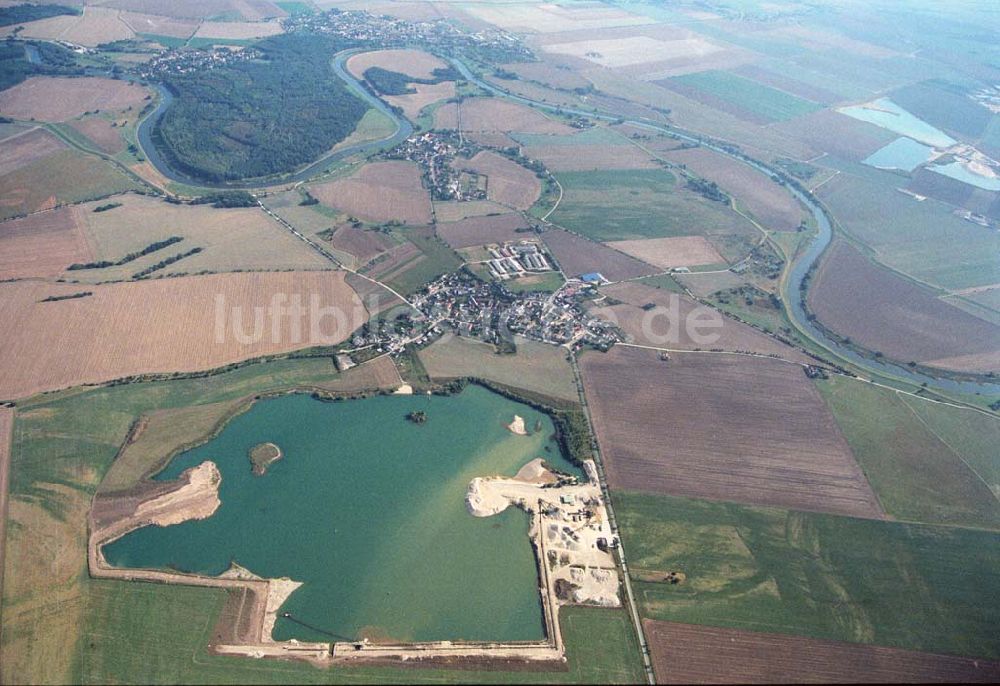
[(482, 230), (495, 114), (57, 98), (507, 183), (363, 244), (651, 327), (42, 245), (690, 654), (577, 255), (160, 325), (767, 201), (106, 138), (380, 191), (750, 430), (415, 63), (677, 251), (886, 313), (20, 151), (837, 134)]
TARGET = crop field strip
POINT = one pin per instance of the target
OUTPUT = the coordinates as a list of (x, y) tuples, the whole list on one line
[(750, 430), (690, 654), (41, 245)]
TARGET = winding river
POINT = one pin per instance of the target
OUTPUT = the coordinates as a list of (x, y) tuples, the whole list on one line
[(791, 288), (403, 131)]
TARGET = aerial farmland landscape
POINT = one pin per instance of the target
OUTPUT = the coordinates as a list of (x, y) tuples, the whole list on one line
[(499, 341)]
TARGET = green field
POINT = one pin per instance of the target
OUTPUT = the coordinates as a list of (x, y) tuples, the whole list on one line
[(437, 258), (927, 462), (910, 586), (60, 626), (923, 239), (764, 101), (146, 633), (547, 282), (646, 203)]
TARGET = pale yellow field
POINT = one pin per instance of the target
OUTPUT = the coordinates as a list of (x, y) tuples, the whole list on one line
[(507, 183), (679, 251), (454, 211), (231, 239), (494, 114), (160, 25), (55, 98), (41, 245), (380, 191), (162, 325), (551, 18), (623, 52), (238, 30), (415, 63), (95, 26), (427, 94)]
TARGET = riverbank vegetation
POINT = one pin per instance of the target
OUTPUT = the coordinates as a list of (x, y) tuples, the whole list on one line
[(258, 117)]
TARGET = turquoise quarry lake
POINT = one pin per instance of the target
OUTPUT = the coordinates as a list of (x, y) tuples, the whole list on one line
[(367, 509), (902, 153), (887, 114)]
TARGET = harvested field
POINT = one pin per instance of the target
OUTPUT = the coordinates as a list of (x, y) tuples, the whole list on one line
[(392, 261), (249, 10), (41, 245), (238, 30), (625, 52), (415, 63), (507, 183), (363, 244), (770, 203), (482, 230), (740, 97), (159, 25), (101, 133), (885, 313), (95, 26), (750, 430), (57, 98), (538, 368), (590, 157), (454, 210), (663, 328), (380, 192), (120, 330), (577, 255), (231, 239), (494, 114), (837, 134), (23, 149), (555, 76), (690, 654), (703, 285), (552, 18), (426, 94), (680, 251)]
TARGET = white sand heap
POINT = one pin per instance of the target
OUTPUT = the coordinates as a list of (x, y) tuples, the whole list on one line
[(197, 499), (517, 426)]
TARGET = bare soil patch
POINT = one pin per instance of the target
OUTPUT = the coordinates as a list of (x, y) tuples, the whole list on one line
[(750, 430), (577, 255), (415, 63), (41, 245), (20, 151), (495, 115), (106, 138), (679, 251), (767, 201), (364, 244), (380, 191), (482, 230), (650, 327), (124, 329), (690, 654), (507, 183), (886, 313), (57, 98)]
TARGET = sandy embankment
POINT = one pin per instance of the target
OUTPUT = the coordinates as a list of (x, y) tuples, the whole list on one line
[(517, 426), (197, 499)]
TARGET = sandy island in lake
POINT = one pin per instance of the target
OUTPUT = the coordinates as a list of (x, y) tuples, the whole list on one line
[(517, 426)]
